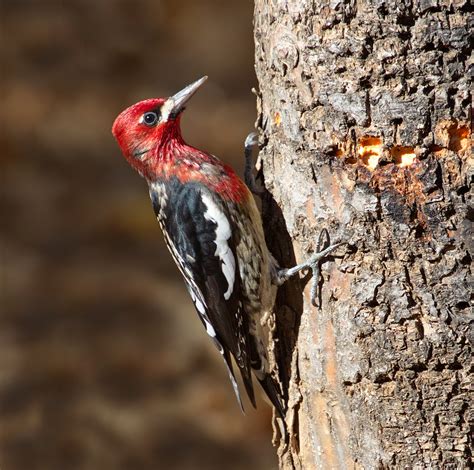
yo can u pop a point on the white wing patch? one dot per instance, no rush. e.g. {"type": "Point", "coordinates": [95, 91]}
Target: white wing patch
{"type": "Point", "coordinates": [223, 233]}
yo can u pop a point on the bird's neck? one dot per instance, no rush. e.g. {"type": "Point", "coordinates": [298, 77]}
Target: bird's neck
{"type": "Point", "coordinates": [173, 157]}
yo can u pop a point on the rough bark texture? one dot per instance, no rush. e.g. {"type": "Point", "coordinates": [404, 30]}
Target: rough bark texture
{"type": "Point", "coordinates": [364, 108]}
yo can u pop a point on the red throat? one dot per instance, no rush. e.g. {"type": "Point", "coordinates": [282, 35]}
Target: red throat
{"type": "Point", "coordinates": [174, 158]}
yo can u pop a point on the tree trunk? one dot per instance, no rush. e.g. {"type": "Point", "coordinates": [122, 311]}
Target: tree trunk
{"type": "Point", "coordinates": [364, 109]}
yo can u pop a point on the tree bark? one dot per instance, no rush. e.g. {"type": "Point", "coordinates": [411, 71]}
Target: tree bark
{"type": "Point", "coordinates": [364, 108]}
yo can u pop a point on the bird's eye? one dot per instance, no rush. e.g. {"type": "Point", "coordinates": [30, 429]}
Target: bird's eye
{"type": "Point", "coordinates": [150, 118]}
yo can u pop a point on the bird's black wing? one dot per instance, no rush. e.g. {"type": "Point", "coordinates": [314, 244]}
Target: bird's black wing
{"type": "Point", "coordinates": [199, 235]}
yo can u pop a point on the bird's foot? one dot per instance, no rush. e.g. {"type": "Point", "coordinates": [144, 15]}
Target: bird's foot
{"type": "Point", "coordinates": [250, 142]}
{"type": "Point", "coordinates": [313, 263]}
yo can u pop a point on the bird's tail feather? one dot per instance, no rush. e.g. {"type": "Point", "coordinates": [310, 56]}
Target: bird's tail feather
{"type": "Point", "coordinates": [247, 380]}
{"type": "Point", "coordinates": [273, 393]}
{"type": "Point", "coordinates": [235, 386]}
{"type": "Point", "coordinates": [269, 386]}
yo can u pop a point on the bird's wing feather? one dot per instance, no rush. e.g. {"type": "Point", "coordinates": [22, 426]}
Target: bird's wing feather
{"type": "Point", "coordinates": [200, 237]}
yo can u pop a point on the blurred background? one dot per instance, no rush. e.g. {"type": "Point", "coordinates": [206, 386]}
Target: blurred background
{"type": "Point", "coordinates": [103, 361]}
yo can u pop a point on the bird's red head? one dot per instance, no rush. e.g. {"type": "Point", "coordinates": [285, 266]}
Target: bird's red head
{"type": "Point", "coordinates": [146, 127]}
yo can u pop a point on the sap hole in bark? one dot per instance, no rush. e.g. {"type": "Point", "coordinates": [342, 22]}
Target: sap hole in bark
{"type": "Point", "coordinates": [370, 151]}
{"type": "Point", "coordinates": [277, 119]}
{"type": "Point", "coordinates": [458, 138]}
{"type": "Point", "coordinates": [335, 151]}
{"type": "Point", "coordinates": [403, 156]}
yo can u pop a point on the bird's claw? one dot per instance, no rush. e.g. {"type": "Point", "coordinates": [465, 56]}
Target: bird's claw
{"type": "Point", "coordinates": [313, 263]}
{"type": "Point", "coordinates": [250, 142]}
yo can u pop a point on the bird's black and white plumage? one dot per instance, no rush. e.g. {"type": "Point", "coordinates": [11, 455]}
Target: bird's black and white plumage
{"type": "Point", "coordinates": [214, 231]}
{"type": "Point", "coordinates": [227, 273]}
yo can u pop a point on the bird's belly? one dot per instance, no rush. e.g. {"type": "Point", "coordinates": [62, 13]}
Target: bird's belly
{"type": "Point", "coordinates": [258, 292]}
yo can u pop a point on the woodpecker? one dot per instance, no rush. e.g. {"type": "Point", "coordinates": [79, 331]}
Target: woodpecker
{"type": "Point", "coordinates": [213, 229]}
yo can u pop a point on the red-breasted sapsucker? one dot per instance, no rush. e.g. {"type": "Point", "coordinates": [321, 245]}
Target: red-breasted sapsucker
{"type": "Point", "coordinates": [214, 232]}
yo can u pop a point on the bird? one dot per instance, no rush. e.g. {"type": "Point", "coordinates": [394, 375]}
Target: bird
{"type": "Point", "coordinates": [213, 230]}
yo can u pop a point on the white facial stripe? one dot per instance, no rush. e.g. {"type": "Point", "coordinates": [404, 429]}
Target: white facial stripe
{"type": "Point", "coordinates": [166, 109]}
{"type": "Point", "coordinates": [223, 233]}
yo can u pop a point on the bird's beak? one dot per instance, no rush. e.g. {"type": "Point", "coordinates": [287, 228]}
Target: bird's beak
{"type": "Point", "coordinates": [176, 103]}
